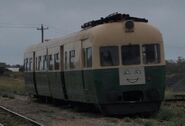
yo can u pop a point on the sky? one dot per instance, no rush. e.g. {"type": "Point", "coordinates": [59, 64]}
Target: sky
{"type": "Point", "coordinates": [19, 20]}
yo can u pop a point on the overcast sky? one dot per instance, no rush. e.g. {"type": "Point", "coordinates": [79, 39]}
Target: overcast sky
{"type": "Point", "coordinates": [19, 19]}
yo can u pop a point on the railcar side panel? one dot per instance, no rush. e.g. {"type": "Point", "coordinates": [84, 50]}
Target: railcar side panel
{"type": "Point", "coordinates": [43, 85]}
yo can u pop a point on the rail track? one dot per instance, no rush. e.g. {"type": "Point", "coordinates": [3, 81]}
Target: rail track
{"type": "Point", "coordinates": [11, 118]}
{"type": "Point", "coordinates": [176, 97]}
{"type": "Point", "coordinates": [177, 100]}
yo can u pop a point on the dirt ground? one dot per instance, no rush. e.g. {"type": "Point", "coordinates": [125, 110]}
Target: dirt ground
{"type": "Point", "coordinates": [51, 115]}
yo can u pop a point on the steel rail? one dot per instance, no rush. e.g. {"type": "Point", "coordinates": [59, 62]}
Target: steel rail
{"type": "Point", "coordinates": [19, 115]}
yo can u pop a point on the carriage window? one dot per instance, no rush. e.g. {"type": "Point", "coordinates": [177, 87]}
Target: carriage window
{"type": "Point", "coordinates": [39, 62]}
{"type": "Point", "coordinates": [45, 62]}
{"type": "Point", "coordinates": [151, 53]}
{"type": "Point", "coordinates": [26, 64]}
{"type": "Point", "coordinates": [36, 64]}
{"type": "Point", "coordinates": [30, 64]}
{"type": "Point", "coordinates": [88, 57]}
{"type": "Point", "coordinates": [109, 56]}
{"type": "Point", "coordinates": [130, 54]}
{"type": "Point", "coordinates": [65, 60]}
{"type": "Point", "coordinates": [50, 61]}
{"type": "Point", "coordinates": [72, 59]}
{"type": "Point", "coordinates": [56, 61]}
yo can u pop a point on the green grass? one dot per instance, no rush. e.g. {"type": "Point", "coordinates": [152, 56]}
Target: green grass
{"type": "Point", "coordinates": [171, 115]}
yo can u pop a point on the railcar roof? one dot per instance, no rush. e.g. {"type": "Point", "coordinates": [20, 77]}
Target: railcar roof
{"type": "Point", "coordinates": [116, 33]}
{"type": "Point", "coordinates": [109, 32]}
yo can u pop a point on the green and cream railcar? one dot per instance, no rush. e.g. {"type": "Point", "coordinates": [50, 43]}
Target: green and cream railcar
{"type": "Point", "coordinates": [119, 68]}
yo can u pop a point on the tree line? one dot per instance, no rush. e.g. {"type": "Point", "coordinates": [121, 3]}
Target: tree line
{"type": "Point", "coordinates": [175, 66]}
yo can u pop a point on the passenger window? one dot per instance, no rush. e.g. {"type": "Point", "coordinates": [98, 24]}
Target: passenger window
{"type": "Point", "coordinates": [30, 64]}
{"type": "Point", "coordinates": [130, 54]}
{"type": "Point", "coordinates": [56, 61]}
{"type": "Point", "coordinates": [39, 62]}
{"type": "Point", "coordinates": [72, 59]}
{"type": "Point", "coordinates": [45, 62]}
{"type": "Point", "coordinates": [26, 64]}
{"type": "Point", "coordinates": [50, 62]}
{"type": "Point", "coordinates": [151, 53]}
{"type": "Point", "coordinates": [109, 56]}
{"type": "Point", "coordinates": [87, 57]}
{"type": "Point", "coordinates": [65, 60]}
{"type": "Point", "coordinates": [36, 64]}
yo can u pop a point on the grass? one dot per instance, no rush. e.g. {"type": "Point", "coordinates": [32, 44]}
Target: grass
{"type": "Point", "coordinates": [12, 83]}
{"type": "Point", "coordinates": [169, 93]}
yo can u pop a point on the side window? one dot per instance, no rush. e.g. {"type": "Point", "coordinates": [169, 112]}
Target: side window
{"type": "Point", "coordinates": [45, 62]}
{"type": "Point", "coordinates": [65, 60]}
{"type": "Point", "coordinates": [39, 62]}
{"type": "Point", "coordinates": [109, 56]}
{"type": "Point", "coordinates": [26, 64]}
{"type": "Point", "coordinates": [36, 65]}
{"type": "Point", "coordinates": [151, 53]}
{"type": "Point", "coordinates": [130, 54]}
{"type": "Point", "coordinates": [87, 57]}
{"type": "Point", "coordinates": [30, 64]}
{"type": "Point", "coordinates": [56, 61]}
{"type": "Point", "coordinates": [72, 59]}
{"type": "Point", "coordinates": [50, 61]}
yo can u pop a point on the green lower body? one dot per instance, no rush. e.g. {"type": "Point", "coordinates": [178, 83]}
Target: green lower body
{"type": "Point", "coordinates": [102, 88]}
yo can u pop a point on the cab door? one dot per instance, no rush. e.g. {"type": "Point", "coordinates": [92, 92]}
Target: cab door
{"type": "Point", "coordinates": [87, 73]}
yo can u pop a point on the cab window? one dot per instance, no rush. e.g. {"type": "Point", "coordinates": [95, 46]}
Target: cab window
{"type": "Point", "coordinates": [109, 56]}
{"type": "Point", "coordinates": [130, 54]}
{"type": "Point", "coordinates": [151, 53]}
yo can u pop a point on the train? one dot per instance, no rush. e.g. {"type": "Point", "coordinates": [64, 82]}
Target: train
{"type": "Point", "coordinates": [115, 63]}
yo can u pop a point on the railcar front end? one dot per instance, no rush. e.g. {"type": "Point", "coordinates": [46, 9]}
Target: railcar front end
{"type": "Point", "coordinates": [130, 76]}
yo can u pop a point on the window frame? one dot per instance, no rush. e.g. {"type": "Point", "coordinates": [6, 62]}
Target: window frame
{"type": "Point", "coordinates": [30, 64]}
{"type": "Point", "coordinates": [87, 62]}
{"type": "Point", "coordinates": [39, 63]}
{"type": "Point", "coordinates": [56, 61]}
{"type": "Point", "coordinates": [115, 62]}
{"type": "Point", "coordinates": [26, 64]}
{"type": "Point", "coordinates": [50, 62]}
{"type": "Point", "coordinates": [124, 62]}
{"type": "Point", "coordinates": [72, 59]}
{"type": "Point", "coordinates": [45, 63]}
{"type": "Point", "coordinates": [157, 54]}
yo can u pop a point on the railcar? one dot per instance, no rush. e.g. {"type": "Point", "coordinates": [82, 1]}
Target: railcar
{"type": "Point", "coordinates": [116, 63]}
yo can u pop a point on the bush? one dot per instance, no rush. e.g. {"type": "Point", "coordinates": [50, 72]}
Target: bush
{"type": "Point", "coordinates": [165, 114]}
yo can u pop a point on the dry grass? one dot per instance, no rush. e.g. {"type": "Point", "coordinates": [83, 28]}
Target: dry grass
{"type": "Point", "coordinates": [12, 83]}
